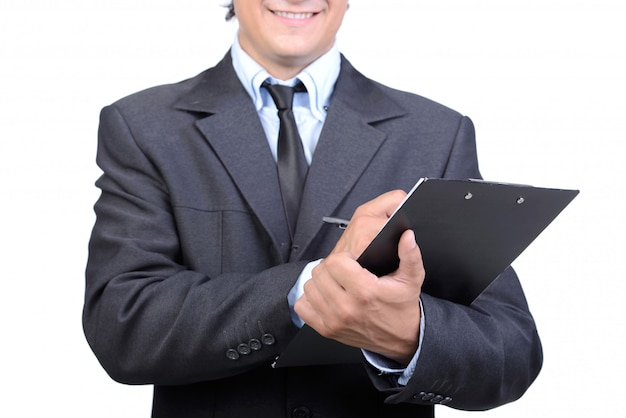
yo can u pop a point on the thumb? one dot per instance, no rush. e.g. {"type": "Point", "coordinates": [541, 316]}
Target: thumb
{"type": "Point", "coordinates": [411, 265]}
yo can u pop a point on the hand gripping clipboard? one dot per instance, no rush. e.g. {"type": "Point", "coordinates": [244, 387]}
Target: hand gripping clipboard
{"type": "Point", "coordinates": [469, 231]}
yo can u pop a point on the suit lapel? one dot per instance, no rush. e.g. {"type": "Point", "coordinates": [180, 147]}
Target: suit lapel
{"type": "Point", "coordinates": [232, 128]}
{"type": "Point", "coordinates": [348, 143]}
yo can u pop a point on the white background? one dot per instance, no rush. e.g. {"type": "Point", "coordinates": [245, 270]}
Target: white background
{"type": "Point", "coordinates": [543, 80]}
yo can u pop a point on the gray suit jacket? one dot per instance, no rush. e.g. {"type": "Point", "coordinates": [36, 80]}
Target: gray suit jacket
{"type": "Point", "coordinates": [189, 266]}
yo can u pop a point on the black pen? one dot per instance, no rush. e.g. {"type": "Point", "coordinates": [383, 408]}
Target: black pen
{"type": "Point", "coordinates": [340, 223]}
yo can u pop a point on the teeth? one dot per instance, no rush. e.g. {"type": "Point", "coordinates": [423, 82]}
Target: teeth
{"type": "Point", "coordinates": [289, 15]}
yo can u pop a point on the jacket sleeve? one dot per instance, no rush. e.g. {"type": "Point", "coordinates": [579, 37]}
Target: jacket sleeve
{"type": "Point", "coordinates": [472, 357]}
{"type": "Point", "coordinates": [147, 316]}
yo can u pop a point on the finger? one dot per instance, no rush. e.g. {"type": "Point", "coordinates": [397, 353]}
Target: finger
{"type": "Point", "coordinates": [367, 221]}
{"type": "Point", "coordinates": [383, 205]}
{"type": "Point", "coordinates": [304, 309]}
{"type": "Point", "coordinates": [350, 277]}
{"type": "Point", "coordinates": [411, 265]}
{"type": "Point", "coordinates": [323, 291]}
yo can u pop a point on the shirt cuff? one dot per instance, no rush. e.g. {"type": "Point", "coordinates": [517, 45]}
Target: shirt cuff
{"type": "Point", "coordinates": [298, 290]}
{"type": "Point", "coordinates": [386, 366]}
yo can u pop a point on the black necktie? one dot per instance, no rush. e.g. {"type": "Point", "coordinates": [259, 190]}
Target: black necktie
{"type": "Point", "coordinates": [292, 165]}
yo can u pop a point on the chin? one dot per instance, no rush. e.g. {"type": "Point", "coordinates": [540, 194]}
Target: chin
{"type": "Point", "coordinates": [296, 53]}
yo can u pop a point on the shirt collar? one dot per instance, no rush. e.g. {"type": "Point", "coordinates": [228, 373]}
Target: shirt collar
{"type": "Point", "coordinates": [319, 78]}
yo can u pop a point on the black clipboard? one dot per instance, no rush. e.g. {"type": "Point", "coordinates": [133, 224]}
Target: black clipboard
{"type": "Point", "coordinates": [469, 231]}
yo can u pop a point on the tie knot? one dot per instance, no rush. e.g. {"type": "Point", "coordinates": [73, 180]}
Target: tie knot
{"type": "Point", "coordinates": [283, 95]}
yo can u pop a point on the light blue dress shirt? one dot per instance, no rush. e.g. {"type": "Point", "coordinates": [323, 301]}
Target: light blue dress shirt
{"type": "Point", "coordinates": [309, 108]}
{"type": "Point", "coordinates": [310, 113]}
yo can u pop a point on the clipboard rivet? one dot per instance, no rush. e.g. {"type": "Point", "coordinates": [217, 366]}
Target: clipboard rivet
{"type": "Point", "coordinates": [468, 196]}
{"type": "Point", "coordinates": [520, 200]}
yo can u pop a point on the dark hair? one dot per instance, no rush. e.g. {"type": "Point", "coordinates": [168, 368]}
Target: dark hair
{"type": "Point", "coordinates": [231, 11]}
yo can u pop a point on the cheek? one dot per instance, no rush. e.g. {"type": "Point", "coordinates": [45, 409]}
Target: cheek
{"type": "Point", "coordinates": [331, 29]}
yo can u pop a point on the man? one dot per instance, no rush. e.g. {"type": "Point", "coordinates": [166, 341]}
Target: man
{"type": "Point", "coordinates": [196, 281]}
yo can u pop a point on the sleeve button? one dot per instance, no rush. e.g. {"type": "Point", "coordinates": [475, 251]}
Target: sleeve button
{"type": "Point", "coordinates": [268, 339]}
{"type": "Point", "coordinates": [232, 354]}
{"type": "Point", "coordinates": [255, 344]}
{"type": "Point", "coordinates": [301, 412]}
{"type": "Point", "coordinates": [243, 349]}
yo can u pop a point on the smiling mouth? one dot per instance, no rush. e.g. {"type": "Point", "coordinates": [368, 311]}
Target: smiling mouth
{"type": "Point", "coordinates": [290, 15]}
